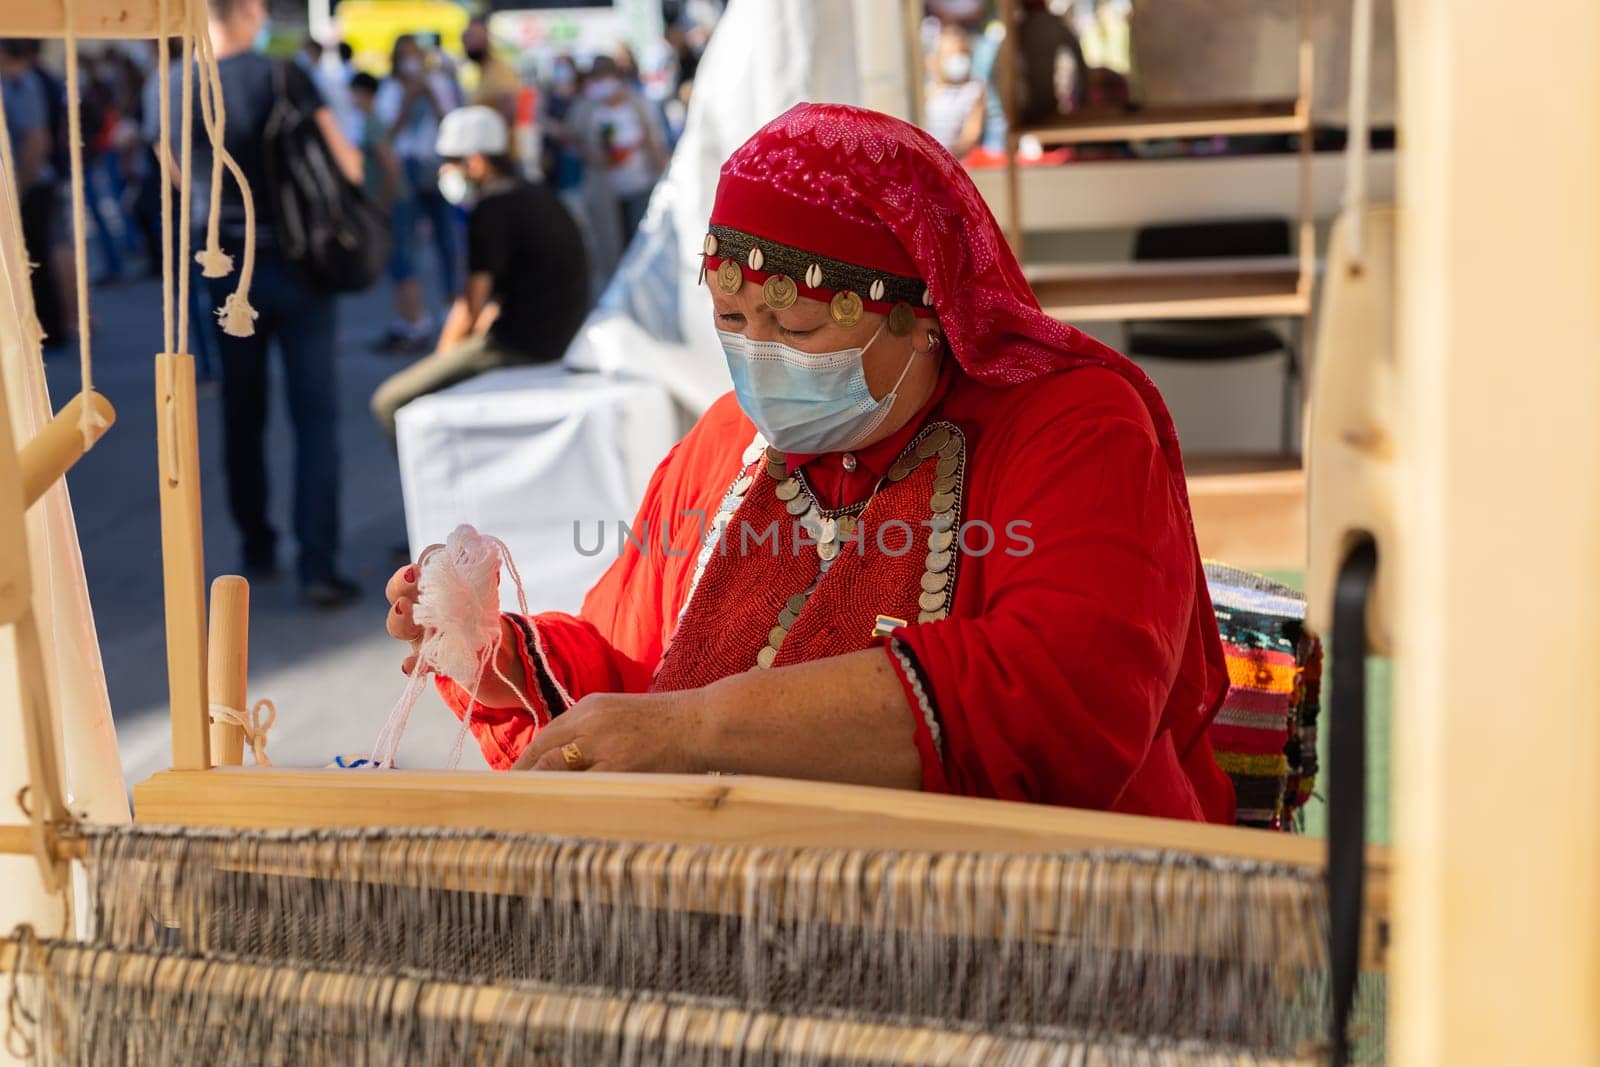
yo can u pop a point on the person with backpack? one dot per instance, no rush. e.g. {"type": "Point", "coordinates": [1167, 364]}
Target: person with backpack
{"type": "Point", "coordinates": [296, 311]}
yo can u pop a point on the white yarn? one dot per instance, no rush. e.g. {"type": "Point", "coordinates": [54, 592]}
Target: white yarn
{"type": "Point", "coordinates": [458, 608]}
{"type": "Point", "coordinates": [255, 725]}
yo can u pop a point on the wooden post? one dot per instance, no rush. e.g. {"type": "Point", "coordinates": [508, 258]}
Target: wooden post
{"type": "Point", "coordinates": [1496, 804]}
{"type": "Point", "coordinates": [228, 664]}
{"type": "Point", "coordinates": [1303, 101]}
{"type": "Point", "coordinates": [1006, 75]}
{"type": "Point", "coordinates": [916, 77]}
{"type": "Point", "coordinates": [182, 560]}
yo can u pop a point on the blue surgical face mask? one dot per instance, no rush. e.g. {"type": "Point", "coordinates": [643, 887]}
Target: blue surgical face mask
{"type": "Point", "coordinates": [804, 401]}
{"type": "Point", "coordinates": [263, 36]}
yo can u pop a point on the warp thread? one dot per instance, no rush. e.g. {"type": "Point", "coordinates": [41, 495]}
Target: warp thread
{"type": "Point", "coordinates": [254, 724]}
{"type": "Point", "coordinates": [458, 609]}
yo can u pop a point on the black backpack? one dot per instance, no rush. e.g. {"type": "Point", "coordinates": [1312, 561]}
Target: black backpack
{"type": "Point", "coordinates": [325, 223]}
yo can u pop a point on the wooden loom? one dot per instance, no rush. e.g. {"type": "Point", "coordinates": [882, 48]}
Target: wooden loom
{"type": "Point", "coordinates": [1465, 991]}
{"type": "Point", "coordinates": [207, 786]}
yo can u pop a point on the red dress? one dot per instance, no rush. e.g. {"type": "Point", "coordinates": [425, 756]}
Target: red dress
{"type": "Point", "coordinates": [1077, 662]}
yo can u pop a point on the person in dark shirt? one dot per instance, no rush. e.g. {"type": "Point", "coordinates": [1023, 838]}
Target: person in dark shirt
{"type": "Point", "coordinates": [293, 312]}
{"type": "Point", "coordinates": [527, 283]}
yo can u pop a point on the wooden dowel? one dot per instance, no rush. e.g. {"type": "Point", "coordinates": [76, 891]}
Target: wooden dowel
{"type": "Point", "coordinates": [18, 841]}
{"type": "Point", "coordinates": [228, 662]}
{"type": "Point", "coordinates": [59, 445]}
{"type": "Point", "coordinates": [182, 560]}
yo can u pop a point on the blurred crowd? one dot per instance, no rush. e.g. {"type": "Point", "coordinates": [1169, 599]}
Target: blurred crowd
{"type": "Point", "coordinates": [1071, 54]}
{"type": "Point", "coordinates": [594, 126]}
{"type": "Point", "coordinates": [492, 191]}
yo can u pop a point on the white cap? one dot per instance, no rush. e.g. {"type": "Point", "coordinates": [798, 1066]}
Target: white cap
{"type": "Point", "coordinates": [472, 131]}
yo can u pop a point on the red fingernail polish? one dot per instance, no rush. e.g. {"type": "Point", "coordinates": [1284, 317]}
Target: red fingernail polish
{"type": "Point", "coordinates": [397, 610]}
{"type": "Point", "coordinates": [411, 574]}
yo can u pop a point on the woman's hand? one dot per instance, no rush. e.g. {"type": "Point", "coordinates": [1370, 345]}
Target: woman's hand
{"type": "Point", "coordinates": [657, 732]}
{"type": "Point", "coordinates": [402, 626]}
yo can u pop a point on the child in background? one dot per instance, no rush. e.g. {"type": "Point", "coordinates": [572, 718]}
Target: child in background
{"type": "Point", "coordinates": [384, 178]}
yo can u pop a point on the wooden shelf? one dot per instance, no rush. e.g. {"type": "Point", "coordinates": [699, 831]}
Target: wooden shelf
{"type": "Point", "coordinates": [1250, 514]}
{"type": "Point", "coordinates": [1173, 289]}
{"type": "Point", "coordinates": [1171, 120]}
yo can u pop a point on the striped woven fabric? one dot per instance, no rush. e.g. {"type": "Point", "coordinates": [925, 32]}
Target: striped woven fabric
{"type": "Point", "coordinates": [1265, 736]}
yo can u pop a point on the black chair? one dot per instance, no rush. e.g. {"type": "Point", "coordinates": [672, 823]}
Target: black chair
{"type": "Point", "coordinates": [1218, 339]}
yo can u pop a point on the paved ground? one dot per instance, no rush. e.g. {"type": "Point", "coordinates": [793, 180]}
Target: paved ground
{"type": "Point", "coordinates": [333, 674]}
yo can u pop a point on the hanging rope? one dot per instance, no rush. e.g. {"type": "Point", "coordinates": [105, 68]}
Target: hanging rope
{"type": "Point", "coordinates": [236, 316]}
{"type": "Point", "coordinates": [185, 169]}
{"type": "Point", "coordinates": [164, 161]}
{"type": "Point", "coordinates": [214, 262]}
{"type": "Point", "coordinates": [1357, 123]}
{"type": "Point", "coordinates": [89, 421]}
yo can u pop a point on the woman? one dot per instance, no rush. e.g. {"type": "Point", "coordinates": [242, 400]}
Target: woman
{"type": "Point", "coordinates": [957, 557]}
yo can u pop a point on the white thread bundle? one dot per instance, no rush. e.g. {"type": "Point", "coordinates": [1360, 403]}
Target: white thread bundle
{"type": "Point", "coordinates": [458, 608]}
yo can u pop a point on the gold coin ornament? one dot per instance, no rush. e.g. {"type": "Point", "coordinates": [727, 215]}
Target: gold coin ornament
{"type": "Point", "coordinates": [901, 319]}
{"type": "Point", "coordinates": [845, 307]}
{"type": "Point", "coordinates": [780, 292]}
{"type": "Point", "coordinates": [730, 279]}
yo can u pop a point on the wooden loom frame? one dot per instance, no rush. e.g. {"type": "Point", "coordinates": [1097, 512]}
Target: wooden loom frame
{"type": "Point", "coordinates": [205, 669]}
{"type": "Point", "coordinates": [1495, 959]}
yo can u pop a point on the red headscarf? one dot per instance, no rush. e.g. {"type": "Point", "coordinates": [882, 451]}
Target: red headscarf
{"type": "Point", "coordinates": [864, 188]}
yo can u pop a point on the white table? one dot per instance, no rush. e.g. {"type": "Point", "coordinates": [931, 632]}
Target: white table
{"type": "Point", "coordinates": [523, 454]}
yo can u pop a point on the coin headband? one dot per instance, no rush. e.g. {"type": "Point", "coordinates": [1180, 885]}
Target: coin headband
{"type": "Point", "coordinates": [758, 259]}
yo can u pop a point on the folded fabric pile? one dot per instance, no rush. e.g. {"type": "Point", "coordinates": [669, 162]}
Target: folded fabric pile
{"type": "Point", "coordinates": [1265, 736]}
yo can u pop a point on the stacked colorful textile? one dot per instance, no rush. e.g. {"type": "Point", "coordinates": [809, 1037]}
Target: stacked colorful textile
{"type": "Point", "coordinates": [1265, 736]}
